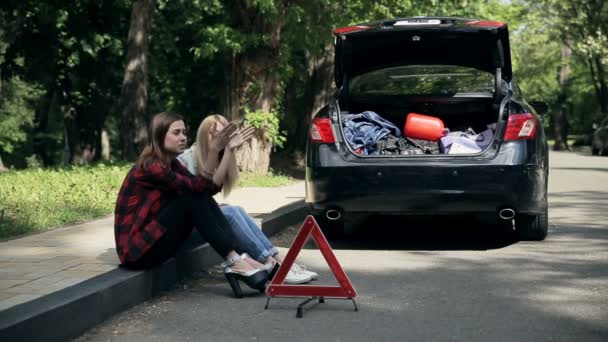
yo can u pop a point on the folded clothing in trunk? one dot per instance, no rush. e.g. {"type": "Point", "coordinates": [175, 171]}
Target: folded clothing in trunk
{"type": "Point", "coordinates": [364, 130]}
{"type": "Point", "coordinates": [466, 142]}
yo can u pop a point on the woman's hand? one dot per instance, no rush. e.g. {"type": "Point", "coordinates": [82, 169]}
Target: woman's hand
{"type": "Point", "coordinates": [219, 139]}
{"type": "Point", "coordinates": [240, 136]}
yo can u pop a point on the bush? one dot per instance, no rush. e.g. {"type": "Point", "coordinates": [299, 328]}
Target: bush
{"type": "Point", "coordinates": [267, 121]}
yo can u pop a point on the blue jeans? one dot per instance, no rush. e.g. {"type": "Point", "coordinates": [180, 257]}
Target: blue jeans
{"type": "Point", "coordinates": [249, 237]}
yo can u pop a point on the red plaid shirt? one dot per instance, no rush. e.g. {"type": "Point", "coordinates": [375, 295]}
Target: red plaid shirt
{"type": "Point", "coordinates": [142, 194]}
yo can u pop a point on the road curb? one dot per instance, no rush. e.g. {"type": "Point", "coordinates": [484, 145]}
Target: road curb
{"type": "Point", "coordinates": [68, 313]}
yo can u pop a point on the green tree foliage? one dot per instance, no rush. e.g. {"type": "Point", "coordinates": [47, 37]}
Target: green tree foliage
{"type": "Point", "coordinates": [66, 60]}
{"type": "Point", "coordinates": [548, 26]}
{"type": "Point", "coordinates": [16, 112]}
{"type": "Point", "coordinates": [585, 30]}
{"type": "Point", "coordinates": [72, 51]}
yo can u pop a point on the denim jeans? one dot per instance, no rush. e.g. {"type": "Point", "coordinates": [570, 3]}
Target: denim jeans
{"type": "Point", "coordinates": [249, 237]}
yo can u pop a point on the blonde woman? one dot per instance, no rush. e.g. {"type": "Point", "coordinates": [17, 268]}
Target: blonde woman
{"type": "Point", "coordinates": [220, 165]}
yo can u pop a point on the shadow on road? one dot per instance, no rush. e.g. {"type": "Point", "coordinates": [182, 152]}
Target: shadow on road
{"type": "Point", "coordinates": [581, 213]}
{"type": "Point", "coordinates": [423, 233]}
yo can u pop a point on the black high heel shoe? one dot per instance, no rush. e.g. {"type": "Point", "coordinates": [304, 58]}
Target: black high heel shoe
{"type": "Point", "coordinates": [255, 279]}
{"type": "Point", "coordinates": [272, 271]}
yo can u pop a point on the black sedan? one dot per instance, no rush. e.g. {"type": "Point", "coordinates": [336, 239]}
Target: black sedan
{"type": "Point", "coordinates": [427, 120]}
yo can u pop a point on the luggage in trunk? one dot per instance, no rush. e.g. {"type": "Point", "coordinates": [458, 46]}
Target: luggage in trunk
{"type": "Point", "coordinates": [380, 130]}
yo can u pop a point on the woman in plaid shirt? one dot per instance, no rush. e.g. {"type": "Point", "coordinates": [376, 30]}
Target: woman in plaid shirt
{"type": "Point", "coordinates": [160, 202]}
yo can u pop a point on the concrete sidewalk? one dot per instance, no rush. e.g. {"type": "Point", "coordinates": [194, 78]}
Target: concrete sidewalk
{"type": "Point", "coordinates": [39, 265]}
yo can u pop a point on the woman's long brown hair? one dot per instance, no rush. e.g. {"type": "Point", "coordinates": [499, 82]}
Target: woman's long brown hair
{"type": "Point", "coordinates": [154, 151]}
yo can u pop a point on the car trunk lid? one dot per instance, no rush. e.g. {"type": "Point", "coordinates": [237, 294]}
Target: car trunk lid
{"type": "Point", "coordinates": [471, 43]}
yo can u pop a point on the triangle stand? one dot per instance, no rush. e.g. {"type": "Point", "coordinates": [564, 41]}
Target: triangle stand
{"type": "Point", "coordinates": [276, 288]}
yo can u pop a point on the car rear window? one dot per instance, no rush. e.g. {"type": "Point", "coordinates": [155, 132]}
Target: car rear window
{"type": "Point", "coordinates": [422, 80]}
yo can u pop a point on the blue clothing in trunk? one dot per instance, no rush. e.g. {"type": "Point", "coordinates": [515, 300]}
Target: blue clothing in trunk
{"type": "Point", "coordinates": [364, 130]}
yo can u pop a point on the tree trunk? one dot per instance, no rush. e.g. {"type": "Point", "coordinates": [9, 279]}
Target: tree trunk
{"type": "Point", "coordinates": [251, 80]}
{"type": "Point", "coordinates": [560, 117]}
{"type": "Point", "coordinates": [230, 100]}
{"type": "Point", "coordinates": [134, 94]}
{"type": "Point", "coordinates": [105, 145]}
{"type": "Point", "coordinates": [299, 109]}
{"type": "Point", "coordinates": [252, 86]}
{"type": "Point", "coordinates": [2, 167]}
{"type": "Point", "coordinates": [316, 94]}
{"type": "Point", "coordinates": [82, 139]}
{"type": "Point", "coordinates": [603, 87]}
{"type": "Point", "coordinates": [254, 155]}
{"type": "Point", "coordinates": [48, 119]}
{"type": "Point", "coordinates": [70, 136]}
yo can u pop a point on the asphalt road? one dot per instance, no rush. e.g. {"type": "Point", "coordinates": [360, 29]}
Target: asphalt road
{"type": "Point", "coordinates": [421, 280]}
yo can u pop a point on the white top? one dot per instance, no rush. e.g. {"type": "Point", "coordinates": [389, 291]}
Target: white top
{"type": "Point", "coordinates": [187, 159]}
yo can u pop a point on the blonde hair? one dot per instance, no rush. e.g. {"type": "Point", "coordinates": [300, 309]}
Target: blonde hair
{"type": "Point", "coordinates": [202, 152]}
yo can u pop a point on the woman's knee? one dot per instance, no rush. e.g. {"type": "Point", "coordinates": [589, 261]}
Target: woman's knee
{"type": "Point", "coordinates": [198, 199]}
{"type": "Point", "coordinates": [241, 211]}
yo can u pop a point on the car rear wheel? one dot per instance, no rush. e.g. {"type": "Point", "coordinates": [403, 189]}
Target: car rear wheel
{"type": "Point", "coordinates": [595, 151]}
{"type": "Point", "coordinates": [532, 227]}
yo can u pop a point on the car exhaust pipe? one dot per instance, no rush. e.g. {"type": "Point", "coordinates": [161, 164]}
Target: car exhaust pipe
{"type": "Point", "coordinates": [333, 214]}
{"type": "Point", "coordinates": [506, 214]}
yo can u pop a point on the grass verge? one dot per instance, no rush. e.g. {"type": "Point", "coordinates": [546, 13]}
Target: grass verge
{"type": "Point", "coordinates": [39, 199]}
{"type": "Point", "coordinates": [270, 180]}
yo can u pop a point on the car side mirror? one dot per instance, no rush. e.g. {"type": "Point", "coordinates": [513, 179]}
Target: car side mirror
{"type": "Point", "coordinates": [595, 126]}
{"type": "Point", "coordinates": [541, 107]}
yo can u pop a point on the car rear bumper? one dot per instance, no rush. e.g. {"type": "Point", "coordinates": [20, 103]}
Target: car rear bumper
{"type": "Point", "coordinates": [442, 188]}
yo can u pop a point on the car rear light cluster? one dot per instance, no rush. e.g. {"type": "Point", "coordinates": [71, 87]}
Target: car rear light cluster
{"type": "Point", "coordinates": [321, 131]}
{"type": "Point", "coordinates": [521, 127]}
{"type": "Point", "coordinates": [348, 29]}
{"type": "Point", "coordinates": [484, 23]}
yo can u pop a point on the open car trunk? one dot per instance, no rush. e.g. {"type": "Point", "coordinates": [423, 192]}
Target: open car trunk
{"type": "Point", "coordinates": [454, 70]}
{"type": "Point", "coordinates": [470, 127]}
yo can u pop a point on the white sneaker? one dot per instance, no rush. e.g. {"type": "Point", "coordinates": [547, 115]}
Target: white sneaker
{"type": "Point", "coordinates": [294, 277]}
{"type": "Point", "coordinates": [302, 270]}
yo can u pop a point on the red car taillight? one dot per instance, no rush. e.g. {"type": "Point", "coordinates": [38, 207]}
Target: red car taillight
{"type": "Point", "coordinates": [321, 131]}
{"type": "Point", "coordinates": [521, 127]}
{"type": "Point", "coordinates": [349, 29]}
{"type": "Point", "coordinates": [484, 23]}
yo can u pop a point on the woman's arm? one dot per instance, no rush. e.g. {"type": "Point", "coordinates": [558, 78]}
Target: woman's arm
{"type": "Point", "coordinates": [219, 142]}
{"type": "Point", "coordinates": [222, 170]}
{"type": "Point", "coordinates": [236, 140]}
{"type": "Point", "coordinates": [210, 164]}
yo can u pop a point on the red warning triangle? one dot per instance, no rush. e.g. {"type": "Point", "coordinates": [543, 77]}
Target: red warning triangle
{"type": "Point", "coordinates": [276, 288]}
